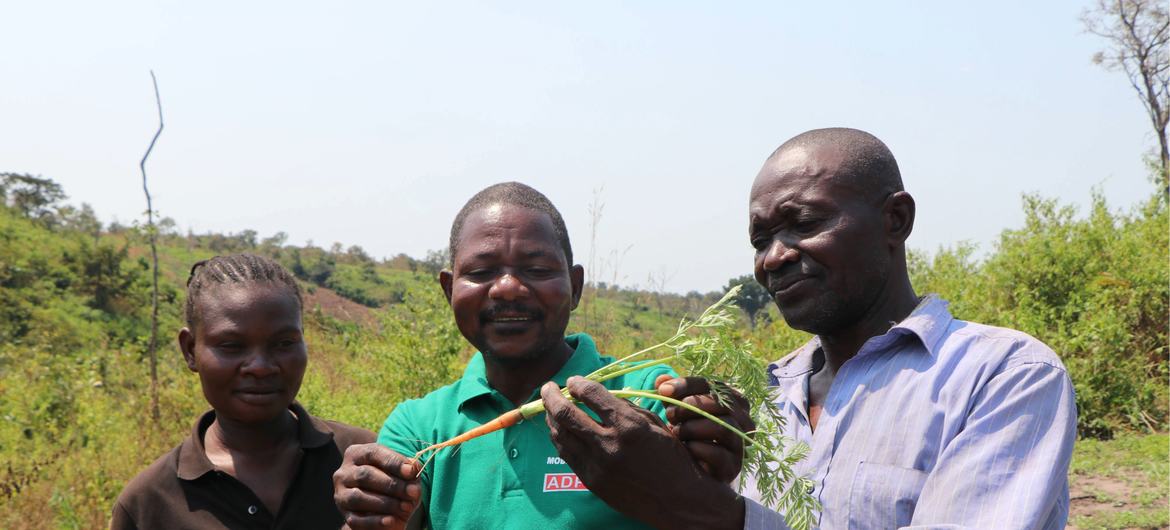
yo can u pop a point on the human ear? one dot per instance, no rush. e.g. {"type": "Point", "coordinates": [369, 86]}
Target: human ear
{"type": "Point", "coordinates": [187, 345]}
{"type": "Point", "coordinates": [898, 212]}
{"type": "Point", "coordinates": [577, 279]}
{"type": "Point", "coordinates": [446, 277]}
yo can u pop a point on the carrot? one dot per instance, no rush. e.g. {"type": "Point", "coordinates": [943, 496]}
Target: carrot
{"type": "Point", "coordinates": [503, 421]}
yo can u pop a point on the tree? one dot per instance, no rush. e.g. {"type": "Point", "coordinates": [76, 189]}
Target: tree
{"type": "Point", "coordinates": [752, 298]}
{"type": "Point", "coordinates": [436, 260]}
{"type": "Point", "coordinates": [1137, 32]}
{"type": "Point", "coordinates": [33, 197]}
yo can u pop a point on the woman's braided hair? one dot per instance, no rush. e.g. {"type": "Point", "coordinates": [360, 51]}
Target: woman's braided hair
{"type": "Point", "coordinates": [235, 269]}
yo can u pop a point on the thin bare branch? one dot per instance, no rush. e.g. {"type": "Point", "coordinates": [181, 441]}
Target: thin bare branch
{"type": "Point", "coordinates": [152, 236]}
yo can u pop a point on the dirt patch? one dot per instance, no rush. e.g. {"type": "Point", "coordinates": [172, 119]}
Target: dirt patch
{"type": "Point", "coordinates": [336, 306]}
{"type": "Point", "coordinates": [1095, 495]}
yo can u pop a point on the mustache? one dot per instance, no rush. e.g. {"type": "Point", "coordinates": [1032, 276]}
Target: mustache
{"type": "Point", "coordinates": [511, 310]}
{"type": "Point", "coordinates": [786, 276]}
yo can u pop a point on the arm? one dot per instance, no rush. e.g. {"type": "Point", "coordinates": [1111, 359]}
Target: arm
{"type": "Point", "coordinates": [633, 463]}
{"type": "Point", "coordinates": [1008, 468]}
{"type": "Point", "coordinates": [121, 519]}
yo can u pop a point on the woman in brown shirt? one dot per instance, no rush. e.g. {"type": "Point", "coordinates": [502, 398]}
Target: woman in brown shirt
{"type": "Point", "coordinates": [257, 459]}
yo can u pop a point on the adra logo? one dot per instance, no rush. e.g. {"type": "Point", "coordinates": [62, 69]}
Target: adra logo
{"type": "Point", "coordinates": [563, 482]}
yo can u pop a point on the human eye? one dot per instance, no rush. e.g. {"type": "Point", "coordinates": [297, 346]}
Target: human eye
{"type": "Point", "coordinates": [479, 273]}
{"type": "Point", "coordinates": [540, 271]}
{"type": "Point", "coordinates": [760, 242]}
{"type": "Point", "coordinates": [287, 343]}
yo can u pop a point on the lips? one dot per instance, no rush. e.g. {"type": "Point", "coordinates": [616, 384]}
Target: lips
{"type": "Point", "coordinates": [258, 395]}
{"type": "Point", "coordinates": [514, 314]}
{"type": "Point", "coordinates": [785, 283]}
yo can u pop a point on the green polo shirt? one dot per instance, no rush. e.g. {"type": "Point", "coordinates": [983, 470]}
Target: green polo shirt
{"type": "Point", "coordinates": [511, 478]}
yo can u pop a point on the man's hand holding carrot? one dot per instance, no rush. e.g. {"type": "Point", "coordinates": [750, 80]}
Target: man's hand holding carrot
{"type": "Point", "coordinates": [668, 477]}
{"type": "Point", "coordinates": [376, 488]}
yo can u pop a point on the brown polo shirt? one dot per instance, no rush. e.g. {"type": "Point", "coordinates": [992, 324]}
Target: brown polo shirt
{"type": "Point", "coordinates": [183, 489]}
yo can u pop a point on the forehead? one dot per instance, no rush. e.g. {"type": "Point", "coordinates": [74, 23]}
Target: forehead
{"type": "Point", "coordinates": [250, 304]}
{"type": "Point", "coordinates": [507, 224]}
{"type": "Point", "coordinates": [802, 174]}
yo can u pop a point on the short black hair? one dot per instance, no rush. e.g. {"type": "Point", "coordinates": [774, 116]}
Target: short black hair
{"type": "Point", "coordinates": [867, 160]}
{"type": "Point", "coordinates": [516, 194]}
{"type": "Point", "coordinates": [236, 269]}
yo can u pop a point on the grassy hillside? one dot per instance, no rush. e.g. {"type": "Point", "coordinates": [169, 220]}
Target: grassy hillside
{"type": "Point", "coordinates": [74, 309]}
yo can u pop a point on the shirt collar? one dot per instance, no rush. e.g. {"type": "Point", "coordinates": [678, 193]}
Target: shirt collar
{"type": "Point", "coordinates": [928, 321]}
{"type": "Point", "coordinates": [193, 462]}
{"type": "Point", "coordinates": [795, 364]}
{"type": "Point", "coordinates": [584, 360]}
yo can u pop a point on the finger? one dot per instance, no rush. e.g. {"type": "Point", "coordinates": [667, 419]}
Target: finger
{"type": "Point", "coordinates": [720, 463]}
{"type": "Point", "coordinates": [662, 379]}
{"type": "Point", "coordinates": [709, 431]}
{"type": "Point", "coordinates": [384, 458]}
{"type": "Point", "coordinates": [353, 500]}
{"type": "Point", "coordinates": [370, 522]}
{"type": "Point", "coordinates": [681, 387]}
{"type": "Point", "coordinates": [563, 416]}
{"type": "Point", "coordinates": [374, 480]}
{"type": "Point", "coordinates": [704, 402]}
{"type": "Point", "coordinates": [595, 396]}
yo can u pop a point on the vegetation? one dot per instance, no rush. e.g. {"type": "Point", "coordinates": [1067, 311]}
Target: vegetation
{"type": "Point", "coordinates": [1121, 483]}
{"type": "Point", "coordinates": [75, 323]}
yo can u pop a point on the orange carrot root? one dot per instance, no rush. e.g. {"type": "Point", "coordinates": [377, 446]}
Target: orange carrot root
{"type": "Point", "coordinates": [503, 421]}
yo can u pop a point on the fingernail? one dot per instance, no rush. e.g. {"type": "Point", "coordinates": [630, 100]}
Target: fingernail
{"type": "Point", "coordinates": [406, 506]}
{"type": "Point", "coordinates": [408, 471]}
{"type": "Point", "coordinates": [413, 491]}
{"type": "Point", "coordinates": [666, 389]}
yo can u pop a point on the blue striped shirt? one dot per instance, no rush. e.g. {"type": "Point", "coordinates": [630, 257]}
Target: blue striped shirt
{"type": "Point", "coordinates": [939, 423]}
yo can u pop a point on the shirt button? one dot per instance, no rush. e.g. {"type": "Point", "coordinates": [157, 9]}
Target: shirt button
{"type": "Point", "coordinates": [514, 453]}
{"type": "Point", "coordinates": [252, 510]}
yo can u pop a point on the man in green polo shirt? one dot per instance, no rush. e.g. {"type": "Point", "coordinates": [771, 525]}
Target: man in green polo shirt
{"type": "Point", "coordinates": [511, 287]}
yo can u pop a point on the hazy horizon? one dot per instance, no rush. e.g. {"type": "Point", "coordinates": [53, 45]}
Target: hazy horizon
{"type": "Point", "coordinates": [370, 124]}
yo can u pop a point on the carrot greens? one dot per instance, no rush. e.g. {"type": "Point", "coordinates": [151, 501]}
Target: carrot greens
{"type": "Point", "coordinates": [705, 347]}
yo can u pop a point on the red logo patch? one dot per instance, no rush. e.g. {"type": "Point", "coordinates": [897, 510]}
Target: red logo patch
{"type": "Point", "coordinates": [563, 482]}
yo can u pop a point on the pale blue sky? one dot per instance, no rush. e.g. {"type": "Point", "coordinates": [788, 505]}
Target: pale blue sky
{"type": "Point", "coordinates": [371, 123]}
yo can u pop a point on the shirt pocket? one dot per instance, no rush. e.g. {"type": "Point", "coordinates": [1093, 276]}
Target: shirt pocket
{"type": "Point", "coordinates": [883, 496]}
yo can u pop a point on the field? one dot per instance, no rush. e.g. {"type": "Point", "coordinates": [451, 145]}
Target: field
{"type": "Point", "coordinates": [74, 325]}
{"type": "Point", "coordinates": [1120, 483]}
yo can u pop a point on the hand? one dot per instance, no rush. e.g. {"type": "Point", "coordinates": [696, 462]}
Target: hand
{"type": "Point", "coordinates": [718, 450]}
{"type": "Point", "coordinates": [634, 463]}
{"type": "Point", "coordinates": [376, 488]}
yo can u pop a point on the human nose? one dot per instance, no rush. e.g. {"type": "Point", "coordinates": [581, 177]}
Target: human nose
{"type": "Point", "coordinates": [778, 253]}
{"type": "Point", "coordinates": [508, 287]}
{"type": "Point", "coordinates": [260, 364]}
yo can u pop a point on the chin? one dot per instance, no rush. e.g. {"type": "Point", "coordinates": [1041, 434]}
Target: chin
{"type": "Point", "coordinates": [818, 315]}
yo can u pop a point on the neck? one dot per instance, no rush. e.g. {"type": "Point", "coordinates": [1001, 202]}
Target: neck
{"type": "Point", "coordinates": [517, 381]}
{"type": "Point", "coordinates": [891, 306]}
{"type": "Point", "coordinates": [237, 437]}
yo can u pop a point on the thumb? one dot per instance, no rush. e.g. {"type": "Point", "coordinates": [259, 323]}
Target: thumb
{"type": "Point", "coordinates": [595, 396]}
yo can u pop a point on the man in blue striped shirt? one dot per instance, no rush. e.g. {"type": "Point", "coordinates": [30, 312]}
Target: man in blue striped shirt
{"type": "Point", "coordinates": [915, 419]}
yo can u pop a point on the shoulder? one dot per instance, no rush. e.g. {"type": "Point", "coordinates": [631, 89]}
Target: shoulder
{"type": "Point", "coordinates": [1005, 348]}
{"type": "Point", "coordinates": [159, 479]}
{"type": "Point", "coordinates": [436, 399]}
{"type": "Point", "coordinates": [345, 435]}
